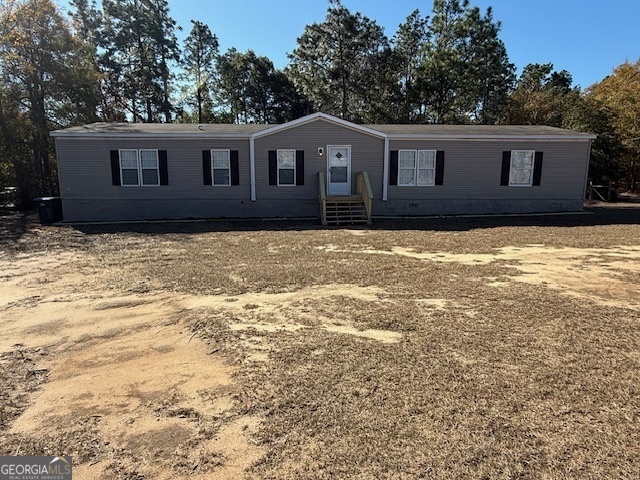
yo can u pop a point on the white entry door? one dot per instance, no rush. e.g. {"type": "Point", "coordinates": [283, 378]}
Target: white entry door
{"type": "Point", "coordinates": [339, 170]}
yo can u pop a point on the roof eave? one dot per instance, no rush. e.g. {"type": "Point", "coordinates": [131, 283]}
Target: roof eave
{"type": "Point", "coordinates": [319, 116]}
{"type": "Point", "coordinates": [434, 136]}
{"type": "Point", "coordinates": [139, 135]}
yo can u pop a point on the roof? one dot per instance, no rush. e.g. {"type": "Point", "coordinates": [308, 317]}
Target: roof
{"type": "Point", "coordinates": [473, 130]}
{"type": "Point", "coordinates": [192, 130]}
{"type": "Point", "coordinates": [102, 128]}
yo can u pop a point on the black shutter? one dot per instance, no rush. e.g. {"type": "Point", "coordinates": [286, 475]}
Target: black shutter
{"type": "Point", "coordinates": [235, 167]}
{"type": "Point", "coordinates": [506, 168]}
{"type": "Point", "coordinates": [164, 169]}
{"type": "Point", "coordinates": [537, 169]}
{"type": "Point", "coordinates": [439, 167]}
{"type": "Point", "coordinates": [393, 167]}
{"type": "Point", "coordinates": [115, 167]}
{"type": "Point", "coordinates": [206, 167]}
{"type": "Point", "coordinates": [299, 167]}
{"type": "Point", "coordinates": [273, 167]}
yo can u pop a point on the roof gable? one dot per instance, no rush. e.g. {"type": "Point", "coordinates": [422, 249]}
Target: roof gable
{"type": "Point", "coordinates": [319, 116]}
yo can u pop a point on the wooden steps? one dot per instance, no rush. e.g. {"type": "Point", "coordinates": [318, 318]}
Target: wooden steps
{"type": "Point", "coordinates": [346, 209]}
{"type": "Point", "coordinates": [342, 210]}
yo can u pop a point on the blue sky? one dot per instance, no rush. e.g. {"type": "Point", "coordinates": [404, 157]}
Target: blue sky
{"type": "Point", "coordinates": [585, 37]}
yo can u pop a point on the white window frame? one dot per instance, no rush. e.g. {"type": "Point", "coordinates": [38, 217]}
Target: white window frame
{"type": "Point", "coordinates": [415, 162]}
{"type": "Point", "coordinates": [533, 166]}
{"type": "Point", "coordinates": [213, 177]}
{"type": "Point", "coordinates": [433, 182]}
{"type": "Point", "coordinates": [139, 167]}
{"type": "Point", "coordinates": [288, 168]}
{"type": "Point", "coordinates": [416, 169]}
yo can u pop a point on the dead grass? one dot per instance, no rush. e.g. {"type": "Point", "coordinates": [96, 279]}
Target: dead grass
{"type": "Point", "coordinates": [518, 380]}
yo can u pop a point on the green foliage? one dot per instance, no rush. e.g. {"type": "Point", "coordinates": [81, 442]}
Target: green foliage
{"type": "Point", "coordinates": [408, 47]}
{"type": "Point", "coordinates": [340, 65]}
{"type": "Point", "coordinates": [198, 61]}
{"type": "Point", "coordinates": [466, 75]}
{"type": "Point", "coordinates": [251, 90]}
{"type": "Point", "coordinates": [140, 46]}
{"type": "Point", "coordinates": [619, 95]}
{"type": "Point", "coordinates": [45, 83]}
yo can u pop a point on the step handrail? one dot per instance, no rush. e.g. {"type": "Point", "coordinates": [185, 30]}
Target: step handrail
{"type": "Point", "coordinates": [364, 188]}
{"type": "Point", "coordinates": [322, 197]}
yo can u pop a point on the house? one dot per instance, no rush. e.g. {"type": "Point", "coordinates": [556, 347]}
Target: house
{"type": "Point", "coordinates": [316, 166]}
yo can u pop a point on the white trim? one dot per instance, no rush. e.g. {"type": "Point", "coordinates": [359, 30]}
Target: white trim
{"type": "Point", "coordinates": [533, 167]}
{"type": "Point", "coordinates": [120, 150]}
{"type": "Point", "coordinates": [393, 136]}
{"type": "Point", "coordinates": [139, 166]}
{"type": "Point", "coordinates": [435, 168]}
{"type": "Point", "coordinates": [385, 174]}
{"type": "Point", "coordinates": [213, 177]}
{"type": "Point", "coordinates": [142, 136]}
{"type": "Point", "coordinates": [416, 168]}
{"type": "Point", "coordinates": [278, 167]}
{"type": "Point", "coordinates": [318, 116]}
{"type": "Point", "coordinates": [252, 166]}
{"type": "Point", "coordinates": [415, 163]}
{"type": "Point", "coordinates": [348, 147]}
{"type": "Point", "coordinates": [466, 137]}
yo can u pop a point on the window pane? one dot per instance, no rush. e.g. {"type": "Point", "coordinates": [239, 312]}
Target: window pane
{"type": "Point", "coordinates": [286, 158]}
{"type": "Point", "coordinates": [221, 177]}
{"type": "Point", "coordinates": [150, 176]}
{"type": "Point", "coordinates": [220, 158]}
{"type": "Point", "coordinates": [426, 159]}
{"type": "Point", "coordinates": [521, 159]}
{"type": "Point", "coordinates": [286, 176]}
{"type": "Point", "coordinates": [129, 176]}
{"type": "Point", "coordinates": [426, 176]}
{"type": "Point", "coordinates": [406, 177]}
{"type": "Point", "coordinates": [129, 158]}
{"type": "Point", "coordinates": [521, 167]}
{"type": "Point", "coordinates": [520, 177]}
{"type": "Point", "coordinates": [338, 174]}
{"type": "Point", "coordinates": [338, 162]}
{"type": "Point", "coordinates": [149, 158]}
{"type": "Point", "coordinates": [407, 159]}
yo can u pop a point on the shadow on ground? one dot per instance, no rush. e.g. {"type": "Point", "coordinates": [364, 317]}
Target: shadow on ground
{"type": "Point", "coordinates": [14, 225]}
{"type": "Point", "coordinates": [625, 214]}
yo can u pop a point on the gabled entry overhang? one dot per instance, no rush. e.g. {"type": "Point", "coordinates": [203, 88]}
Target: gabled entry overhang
{"type": "Point", "coordinates": [314, 117]}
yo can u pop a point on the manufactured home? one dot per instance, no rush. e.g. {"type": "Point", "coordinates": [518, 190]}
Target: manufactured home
{"type": "Point", "coordinates": [316, 166]}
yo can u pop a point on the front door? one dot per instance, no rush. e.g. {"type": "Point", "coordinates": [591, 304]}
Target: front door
{"type": "Point", "coordinates": [339, 170]}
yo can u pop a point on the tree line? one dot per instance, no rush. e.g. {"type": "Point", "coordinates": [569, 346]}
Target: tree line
{"type": "Point", "coordinates": [120, 60]}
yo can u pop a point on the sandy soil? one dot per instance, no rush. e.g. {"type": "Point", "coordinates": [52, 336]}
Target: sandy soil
{"type": "Point", "coordinates": [151, 382]}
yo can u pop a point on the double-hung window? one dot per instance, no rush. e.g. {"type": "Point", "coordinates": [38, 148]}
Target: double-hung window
{"type": "Point", "coordinates": [521, 170]}
{"type": "Point", "coordinates": [286, 161]}
{"type": "Point", "coordinates": [426, 168]}
{"type": "Point", "coordinates": [139, 167]}
{"type": "Point", "coordinates": [221, 164]}
{"type": "Point", "coordinates": [406, 168]}
{"type": "Point", "coordinates": [416, 167]}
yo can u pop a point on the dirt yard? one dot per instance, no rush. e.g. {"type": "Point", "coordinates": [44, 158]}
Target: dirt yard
{"type": "Point", "coordinates": [475, 348]}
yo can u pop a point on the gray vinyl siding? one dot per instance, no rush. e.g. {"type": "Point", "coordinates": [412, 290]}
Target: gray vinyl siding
{"type": "Point", "coordinates": [472, 171]}
{"type": "Point", "coordinates": [367, 154]}
{"type": "Point", "coordinates": [84, 170]}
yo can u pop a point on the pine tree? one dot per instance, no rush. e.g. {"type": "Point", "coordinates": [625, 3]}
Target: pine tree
{"type": "Point", "coordinates": [140, 47]}
{"type": "Point", "coordinates": [339, 64]}
{"type": "Point", "coordinates": [200, 52]}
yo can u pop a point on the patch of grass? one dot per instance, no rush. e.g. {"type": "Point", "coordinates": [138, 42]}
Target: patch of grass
{"type": "Point", "coordinates": [516, 381]}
